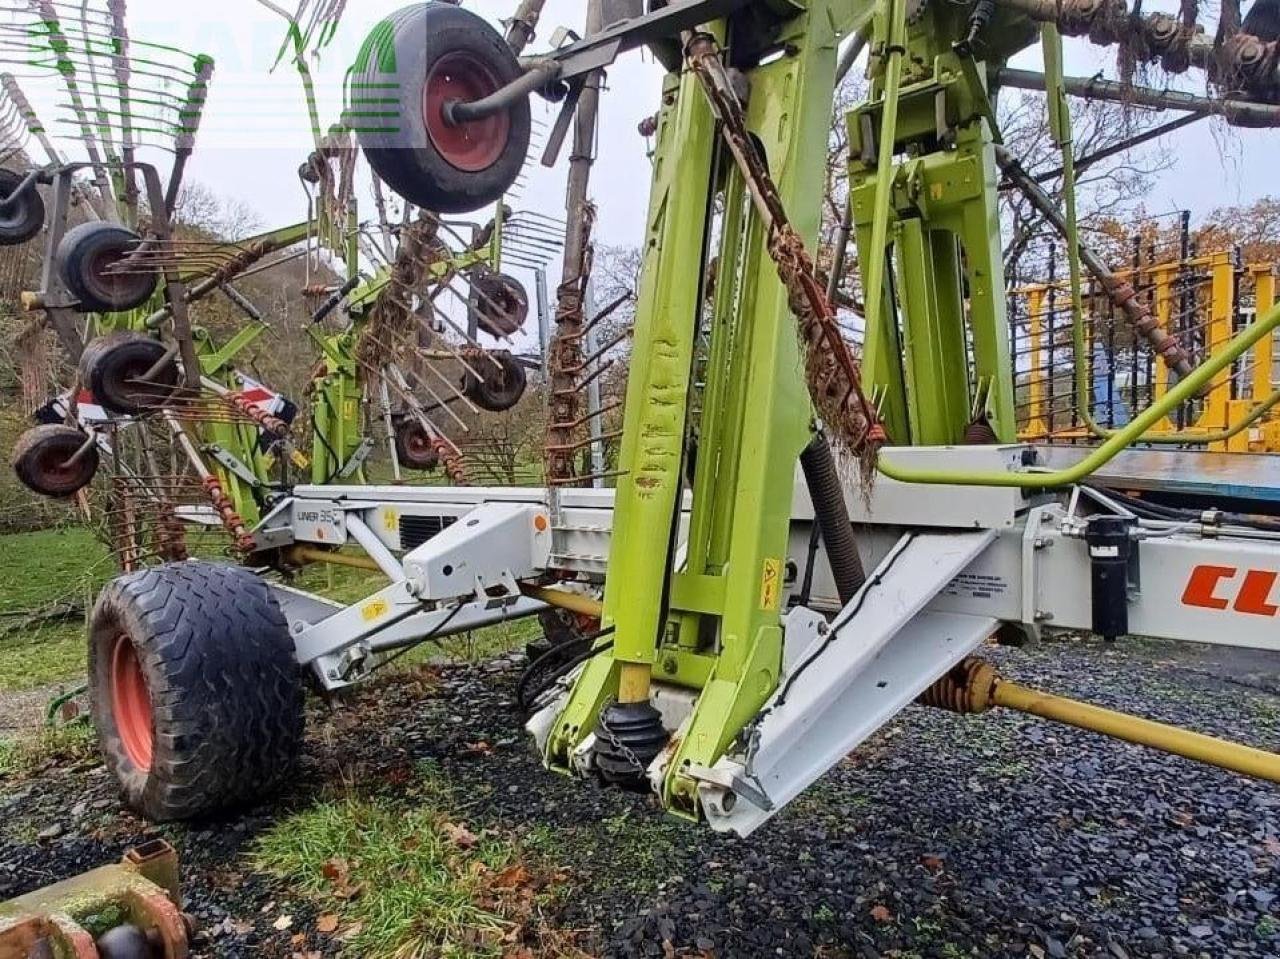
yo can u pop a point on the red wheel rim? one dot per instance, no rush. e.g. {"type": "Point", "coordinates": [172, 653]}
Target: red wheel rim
{"type": "Point", "coordinates": [54, 470]}
{"type": "Point", "coordinates": [418, 443]}
{"type": "Point", "coordinates": [113, 283]}
{"type": "Point", "coordinates": [131, 704]}
{"type": "Point", "coordinates": [475, 145]}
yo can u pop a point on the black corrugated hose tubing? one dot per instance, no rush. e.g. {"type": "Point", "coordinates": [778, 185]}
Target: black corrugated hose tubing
{"type": "Point", "coordinates": [827, 493]}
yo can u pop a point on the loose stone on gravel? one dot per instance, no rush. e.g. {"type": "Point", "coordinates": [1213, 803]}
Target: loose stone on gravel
{"type": "Point", "coordinates": [945, 836]}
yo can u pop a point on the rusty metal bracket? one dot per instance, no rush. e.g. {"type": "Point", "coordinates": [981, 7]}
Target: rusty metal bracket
{"type": "Point", "coordinates": [131, 904]}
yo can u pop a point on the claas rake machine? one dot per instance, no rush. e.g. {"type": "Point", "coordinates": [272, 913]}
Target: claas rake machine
{"type": "Point", "coordinates": [169, 410]}
{"type": "Point", "coordinates": [804, 539]}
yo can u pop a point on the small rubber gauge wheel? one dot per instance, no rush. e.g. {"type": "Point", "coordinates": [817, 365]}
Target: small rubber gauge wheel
{"type": "Point", "coordinates": [498, 383]}
{"type": "Point", "coordinates": [89, 261]}
{"type": "Point", "coordinates": [53, 460]}
{"type": "Point", "coordinates": [22, 219]}
{"type": "Point", "coordinates": [129, 373]}
{"type": "Point", "coordinates": [414, 448]}
{"type": "Point", "coordinates": [502, 305]}
{"type": "Point", "coordinates": [411, 66]}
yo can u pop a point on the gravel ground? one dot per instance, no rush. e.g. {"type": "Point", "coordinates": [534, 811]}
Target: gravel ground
{"type": "Point", "coordinates": [24, 709]}
{"type": "Point", "coordinates": [946, 836]}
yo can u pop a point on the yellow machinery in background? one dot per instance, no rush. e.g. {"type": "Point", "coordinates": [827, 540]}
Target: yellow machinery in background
{"type": "Point", "coordinates": [1205, 298]}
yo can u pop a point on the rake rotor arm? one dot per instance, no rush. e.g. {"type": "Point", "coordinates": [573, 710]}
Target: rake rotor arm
{"type": "Point", "coordinates": [190, 116]}
{"type": "Point", "coordinates": [1230, 60]}
{"type": "Point", "coordinates": [576, 61]}
{"type": "Point", "coordinates": [1236, 111]}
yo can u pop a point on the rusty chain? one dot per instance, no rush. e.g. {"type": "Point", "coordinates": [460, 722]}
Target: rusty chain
{"type": "Point", "coordinates": [564, 364]}
{"type": "Point", "coordinates": [830, 367]}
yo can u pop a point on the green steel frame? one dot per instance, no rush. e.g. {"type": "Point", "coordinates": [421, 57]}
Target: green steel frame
{"type": "Point", "coordinates": [716, 625]}
{"type": "Point", "coordinates": [935, 211]}
{"type": "Point", "coordinates": [923, 189]}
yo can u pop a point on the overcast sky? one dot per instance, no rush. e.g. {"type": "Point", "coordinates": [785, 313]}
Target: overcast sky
{"type": "Point", "coordinates": [255, 133]}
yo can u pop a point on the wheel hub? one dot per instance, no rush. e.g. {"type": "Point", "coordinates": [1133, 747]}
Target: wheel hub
{"type": "Point", "coordinates": [56, 466]}
{"type": "Point", "coordinates": [108, 272]}
{"type": "Point", "coordinates": [471, 146]}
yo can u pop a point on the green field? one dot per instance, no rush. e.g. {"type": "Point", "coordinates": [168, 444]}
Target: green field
{"type": "Point", "coordinates": [48, 580]}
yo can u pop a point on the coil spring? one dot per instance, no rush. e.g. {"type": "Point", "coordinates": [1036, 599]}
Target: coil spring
{"type": "Point", "coordinates": [226, 510]}
{"type": "Point", "coordinates": [272, 424]}
{"type": "Point", "coordinates": [454, 467]}
{"type": "Point", "coordinates": [980, 433]}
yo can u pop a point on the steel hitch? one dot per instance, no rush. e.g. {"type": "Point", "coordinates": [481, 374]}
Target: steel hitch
{"type": "Point", "coordinates": [129, 910]}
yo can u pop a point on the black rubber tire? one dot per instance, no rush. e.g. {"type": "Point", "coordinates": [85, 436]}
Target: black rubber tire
{"type": "Point", "coordinates": [25, 221]}
{"type": "Point", "coordinates": [85, 254]}
{"type": "Point", "coordinates": [497, 388]}
{"type": "Point", "coordinates": [112, 367]}
{"type": "Point", "coordinates": [502, 304]}
{"type": "Point", "coordinates": [40, 453]}
{"type": "Point", "coordinates": [413, 447]}
{"type": "Point", "coordinates": [387, 90]}
{"type": "Point", "coordinates": [226, 695]}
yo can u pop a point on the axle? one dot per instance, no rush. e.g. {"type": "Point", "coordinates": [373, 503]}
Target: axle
{"type": "Point", "coordinates": [974, 687]}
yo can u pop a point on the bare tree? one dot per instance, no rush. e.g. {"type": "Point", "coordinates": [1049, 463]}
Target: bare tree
{"type": "Point", "coordinates": [199, 208]}
{"type": "Point", "coordinates": [1106, 190]}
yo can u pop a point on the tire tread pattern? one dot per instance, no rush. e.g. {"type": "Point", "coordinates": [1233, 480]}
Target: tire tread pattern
{"type": "Point", "coordinates": [226, 692]}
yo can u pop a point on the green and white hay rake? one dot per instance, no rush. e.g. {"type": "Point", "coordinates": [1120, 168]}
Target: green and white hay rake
{"type": "Point", "coordinates": [764, 611]}
{"type": "Point", "coordinates": [119, 289]}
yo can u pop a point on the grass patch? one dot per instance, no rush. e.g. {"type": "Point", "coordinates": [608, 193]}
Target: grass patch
{"type": "Point", "coordinates": [484, 644]}
{"type": "Point", "coordinates": [342, 584]}
{"type": "Point", "coordinates": [57, 746]}
{"type": "Point", "coordinates": [39, 569]}
{"type": "Point", "coordinates": [64, 568]}
{"type": "Point", "coordinates": [46, 655]}
{"type": "Point", "coordinates": [46, 579]}
{"type": "Point", "coordinates": [407, 883]}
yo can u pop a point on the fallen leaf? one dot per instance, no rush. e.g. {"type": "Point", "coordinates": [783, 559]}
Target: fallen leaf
{"type": "Point", "coordinates": [460, 836]}
{"type": "Point", "coordinates": [283, 923]}
{"type": "Point", "coordinates": [336, 870]}
{"type": "Point", "coordinates": [351, 931]}
{"type": "Point", "coordinates": [327, 924]}
{"type": "Point", "coordinates": [932, 863]}
{"type": "Point", "coordinates": [881, 914]}
{"type": "Point", "coordinates": [668, 949]}
{"type": "Point", "coordinates": [481, 748]}
{"type": "Point", "coordinates": [511, 877]}
{"type": "Point", "coordinates": [349, 891]}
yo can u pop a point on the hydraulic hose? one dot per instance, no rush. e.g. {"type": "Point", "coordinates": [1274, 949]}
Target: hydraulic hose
{"type": "Point", "coordinates": [827, 493]}
{"type": "Point", "coordinates": [1135, 432]}
{"type": "Point", "coordinates": [1076, 253]}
